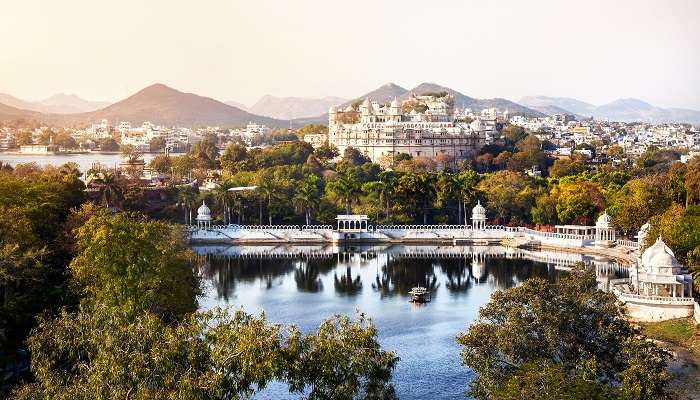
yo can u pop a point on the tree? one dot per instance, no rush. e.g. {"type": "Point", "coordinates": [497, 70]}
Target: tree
{"type": "Point", "coordinates": [23, 137]}
{"type": "Point", "coordinates": [233, 158]}
{"type": "Point", "coordinates": [346, 189]}
{"type": "Point", "coordinates": [637, 201]}
{"type": "Point", "coordinates": [354, 157]}
{"type": "Point", "coordinates": [306, 197]}
{"type": "Point", "coordinates": [568, 328]}
{"type": "Point", "coordinates": [692, 181]}
{"type": "Point", "coordinates": [343, 360]}
{"type": "Point", "coordinates": [308, 129]}
{"type": "Point", "coordinates": [108, 144]}
{"type": "Point", "coordinates": [157, 143]}
{"type": "Point", "coordinates": [161, 163]}
{"type": "Point", "coordinates": [326, 152]}
{"type": "Point", "coordinates": [130, 153]}
{"type": "Point", "coordinates": [566, 167]}
{"type": "Point", "coordinates": [134, 264]}
{"type": "Point", "coordinates": [509, 195]}
{"type": "Point", "coordinates": [513, 134]}
{"type": "Point", "coordinates": [418, 190]}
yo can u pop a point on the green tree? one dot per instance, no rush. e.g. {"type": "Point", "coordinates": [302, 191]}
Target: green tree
{"type": "Point", "coordinates": [692, 181]}
{"type": "Point", "coordinates": [568, 327]}
{"type": "Point", "coordinates": [306, 198]}
{"type": "Point", "coordinates": [134, 264]}
{"type": "Point", "coordinates": [346, 188]}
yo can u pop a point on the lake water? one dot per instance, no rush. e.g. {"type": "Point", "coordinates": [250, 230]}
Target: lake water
{"type": "Point", "coordinates": [85, 161]}
{"type": "Point", "coordinates": [305, 285]}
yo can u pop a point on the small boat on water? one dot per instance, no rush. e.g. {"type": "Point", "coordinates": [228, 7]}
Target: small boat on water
{"type": "Point", "coordinates": [419, 294]}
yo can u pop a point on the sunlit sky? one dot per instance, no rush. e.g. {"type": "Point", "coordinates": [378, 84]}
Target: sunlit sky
{"type": "Point", "coordinates": [596, 51]}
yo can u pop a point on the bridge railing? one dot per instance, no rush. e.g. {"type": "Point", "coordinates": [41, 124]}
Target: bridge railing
{"type": "Point", "coordinates": [627, 243]}
{"type": "Point", "coordinates": [654, 299]}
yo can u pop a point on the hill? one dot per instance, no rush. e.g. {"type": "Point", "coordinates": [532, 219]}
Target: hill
{"type": "Point", "coordinates": [559, 105]}
{"type": "Point", "coordinates": [163, 105]}
{"type": "Point", "coordinates": [59, 104]}
{"type": "Point", "coordinates": [293, 107]}
{"type": "Point", "coordinates": [626, 110]}
{"type": "Point", "coordinates": [462, 100]}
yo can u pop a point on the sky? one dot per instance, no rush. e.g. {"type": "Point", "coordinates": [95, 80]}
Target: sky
{"type": "Point", "coordinates": [596, 51]}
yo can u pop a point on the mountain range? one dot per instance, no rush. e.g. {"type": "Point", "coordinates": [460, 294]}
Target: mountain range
{"type": "Point", "coordinates": [626, 110]}
{"type": "Point", "coordinates": [158, 103]}
{"type": "Point", "coordinates": [164, 105]}
{"type": "Point", "coordinates": [57, 104]}
{"type": "Point", "coordinates": [293, 107]}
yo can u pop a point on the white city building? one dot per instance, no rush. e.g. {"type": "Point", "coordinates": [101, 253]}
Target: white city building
{"type": "Point", "coordinates": [422, 126]}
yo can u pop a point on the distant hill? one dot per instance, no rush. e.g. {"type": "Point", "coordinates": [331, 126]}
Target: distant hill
{"type": "Point", "coordinates": [293, 107]}
{"type": "Point", "coordinates": [462, 100]}
{"type": "Point", "coordinates": [388, 91]}
{"type": "Point", "coordinates": [236, 104]}
{"type": "Point", "coordinates": [164, 105]}
{"type": "Point", "coordinates": [626, 110]}
{"type": "Point", "coordinates": [158, 104]}
{"type": "Point", "coordinates": [8, 113]}
{"type": "Point", "coordinates": [558, 105]}
{"type": "Point", "coordinates": [59, 104]}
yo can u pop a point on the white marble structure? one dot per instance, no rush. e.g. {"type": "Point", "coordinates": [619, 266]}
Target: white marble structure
{"type": "Point", "coordinates": [203, 217]}
{"type": "Point", "coordinates": [422, 126]}
{"type": "Point", "coordinates": [604, 231]}
{"type": "Point", "coordinates": [659, 287]}
{"type": "Point", "coordinates": [478, 217]}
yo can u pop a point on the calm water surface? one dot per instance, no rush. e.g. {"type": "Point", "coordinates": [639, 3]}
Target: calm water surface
{"type": "Point", "coordinates": [85, 161]}
{"type": "Point", "coordinates": [305, 285]}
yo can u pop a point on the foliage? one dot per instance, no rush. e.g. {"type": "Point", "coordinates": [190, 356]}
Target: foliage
{"type": "Point", "coordinates": [568, 328]}
{"type": "Point", "coordinates": [134, 264]}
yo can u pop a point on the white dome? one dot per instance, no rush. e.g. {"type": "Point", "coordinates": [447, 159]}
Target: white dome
{"type": "Point", "coordinates": [203, 212]}
{"type": "Point", "coordinates": [663, 260]}
{"type": "Point", "coordinates": [657, 252]}
{"type": "Point", "coordinates": [478, 211]}
{"type": "Point", "coordinates": [603, 221]}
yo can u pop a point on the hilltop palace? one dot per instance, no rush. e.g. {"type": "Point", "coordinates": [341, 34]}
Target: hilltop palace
{"type": "Point", "coordinates": [422, 126]}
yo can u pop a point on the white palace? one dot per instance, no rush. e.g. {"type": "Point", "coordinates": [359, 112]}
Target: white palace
{"type": "Point", "coordinates": [422, 126]}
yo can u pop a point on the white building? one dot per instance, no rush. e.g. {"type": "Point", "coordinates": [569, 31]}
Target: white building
{"type": "Point", "coordinates": [422, 126]}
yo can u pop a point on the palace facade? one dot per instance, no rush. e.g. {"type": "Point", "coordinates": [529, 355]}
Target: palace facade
{"type": "Point", "coordinates": [422, 126]}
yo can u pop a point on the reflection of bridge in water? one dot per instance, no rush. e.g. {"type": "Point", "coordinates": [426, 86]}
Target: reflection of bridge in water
{"type": "Point", "coordinates": [552, 258]}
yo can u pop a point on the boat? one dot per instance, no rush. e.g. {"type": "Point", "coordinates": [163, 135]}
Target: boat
{"type": "Point", "coordinates": [419, 294]}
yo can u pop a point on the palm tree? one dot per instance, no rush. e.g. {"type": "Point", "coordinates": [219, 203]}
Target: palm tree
{"type": "Point", "coordinates": [306, 197]}
{"type": "Point", "coordinates": [346, 188]}
{"type": "Point", "coordinates": [187, 197]}
{"type": "Point", "coordinates": [112, 189]}
{"type": "Point", "coordinates": [266, 190]}
{"type": "Point", "coordinates": [223, 197]}
{"type": "Point", "coordinates": [465, 186]}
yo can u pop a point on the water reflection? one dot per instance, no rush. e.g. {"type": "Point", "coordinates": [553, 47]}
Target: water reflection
{"type": "Point", "coordinates": [396, 269]}
{"type": "Point", "coordinates": [305, 285]}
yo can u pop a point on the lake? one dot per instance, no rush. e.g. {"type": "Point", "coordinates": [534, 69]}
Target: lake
{"type": "Point", "coordinates": [84, 161]}
{"type": "Point", "coordinates": [305, 285]}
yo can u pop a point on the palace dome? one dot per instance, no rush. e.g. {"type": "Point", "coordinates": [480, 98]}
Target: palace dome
{"type": "Point", "coordinates": [478, 211]}
{"type": "Point", "coordinates": [203, 212]}
{"type": "Point", "coordinates": [658, 254]}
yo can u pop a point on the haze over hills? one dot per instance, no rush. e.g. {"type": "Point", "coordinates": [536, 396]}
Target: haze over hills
{"type": "Point", "coordinates": [236, 104]}
{"type": "Point", "coordinates": [60, 103]}
{"type": "Point", "coordinates": [626, 110]}
{"type": "Point", "coordinates": [163, 105]}
{"type": "Point", "coordinates": [293, 107]}
{"type": "Point", "coordinates": [158, 104]}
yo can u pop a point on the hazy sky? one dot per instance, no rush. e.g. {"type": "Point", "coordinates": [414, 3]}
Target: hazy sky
{"type": "Point", "coordinates": [596, 51]}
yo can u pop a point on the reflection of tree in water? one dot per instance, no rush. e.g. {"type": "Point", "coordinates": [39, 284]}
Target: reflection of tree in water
{"type": "Point", "coordinates": [306, 277]}
{"type": "Point", "coordinates": [457, 273]}
{"type": "Point", "coordinates": [345, 284]}
{"type": "Point", "coordinates": [506, 273]}
{"type": "Point", "coordinates": [400, 275]}
{"type": "Point", "coordinates": [226, 272]}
